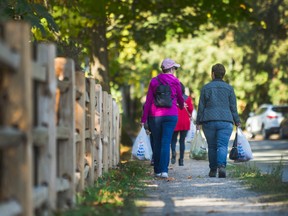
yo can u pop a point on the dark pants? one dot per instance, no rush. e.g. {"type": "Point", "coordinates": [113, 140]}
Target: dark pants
{"type": "Point", "coordinates": [183, 135]}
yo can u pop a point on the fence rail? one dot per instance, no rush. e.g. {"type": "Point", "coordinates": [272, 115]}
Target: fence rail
{"type": "Point", "coordinates": [58, 130]}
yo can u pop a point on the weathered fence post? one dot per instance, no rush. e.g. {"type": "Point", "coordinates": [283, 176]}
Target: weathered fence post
{"type": "Point", "coordinates": [105, 131]}
{"type": "Point", "coordinates": [16, 122]}
{"type": "Point", "coordinates": [80, 128]}
{"type": "Point", "coordinates": [110, 131]}
{"type": "Point", "coordinates": [116, 140]}
{"type": "Point", "coordinates": [90, 127]}
{"type": "Point", "coordinates": [98, 130]}
{"type": "Point", "coordinates": [44, 131]}
{"type": "Point", "coordinates": [65, 114]}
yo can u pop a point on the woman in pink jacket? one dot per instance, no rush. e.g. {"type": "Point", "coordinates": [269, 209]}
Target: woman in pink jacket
{"type": "Point", "coordinates": [162, 120]}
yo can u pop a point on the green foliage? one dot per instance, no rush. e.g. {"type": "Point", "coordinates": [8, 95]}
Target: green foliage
{"type": "Point", "coordinates": [159, 20]}
{"type": "Point", "coordinates": [267, 183]}
{"type": "Point", "coordinates": [263, 62]}
{"type": "Point", "coordinates": [34, 13]}
{"type": "Point", "coordinates": [251, 50]}
{"type": "Point", "coordinates": [113, 193]}
{"type": "Point", "coordinates": [248, 37]}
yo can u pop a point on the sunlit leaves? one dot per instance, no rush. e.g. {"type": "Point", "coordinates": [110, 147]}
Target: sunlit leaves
{"type": "Point", "coordinates": [260, 78]}
{"type": "Point", "coordinates": [263, 24]}
{"type": "Point", "coordinates": [32, 12]}
{"type": "Point", "coordinates": [128, 52]}
{"type": "Point", "coordinates": [278, 91]}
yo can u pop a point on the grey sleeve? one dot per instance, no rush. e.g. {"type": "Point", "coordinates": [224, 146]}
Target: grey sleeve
{"type": "Point", "coordinates": [233, 106]}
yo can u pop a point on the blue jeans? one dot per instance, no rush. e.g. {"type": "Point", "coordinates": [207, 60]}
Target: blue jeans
{"type": "Point", "coordinates": [217, 134]}
{"type": "Point", "coordinates": [162, 129]}
{"type": "Point", "coordinates": [183, 135]}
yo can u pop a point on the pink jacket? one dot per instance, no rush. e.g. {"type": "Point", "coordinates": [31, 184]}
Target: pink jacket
{"type": "Point", "coordinates": [151, 110]}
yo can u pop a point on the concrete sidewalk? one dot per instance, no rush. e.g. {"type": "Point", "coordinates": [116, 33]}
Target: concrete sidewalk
{"type": "Point", "coordinates": [189, 191]}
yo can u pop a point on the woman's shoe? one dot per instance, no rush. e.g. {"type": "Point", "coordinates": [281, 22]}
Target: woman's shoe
{"type": "Point", "coordinates": [181, 162]}
{"type": "Point", "coordinates": [212, 172]}
{"type": "Point", "coordinates": [173, 158]}
{"type": "Point", "coordinates": [222, 172]}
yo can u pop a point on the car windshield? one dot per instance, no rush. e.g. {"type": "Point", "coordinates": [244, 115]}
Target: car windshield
{"type": "Point", "coordinates": [283, 110]}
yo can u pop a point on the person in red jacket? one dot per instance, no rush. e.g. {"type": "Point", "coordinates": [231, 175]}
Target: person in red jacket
{"type": "Point", "coordinates": [182, 127]}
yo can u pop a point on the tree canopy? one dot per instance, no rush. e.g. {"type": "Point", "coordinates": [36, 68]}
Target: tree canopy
{"type": "Point", "coordinates": [121, 43]}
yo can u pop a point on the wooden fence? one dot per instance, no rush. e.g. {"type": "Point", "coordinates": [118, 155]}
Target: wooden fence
{"type": "Point", "coordinates": [58, 130]}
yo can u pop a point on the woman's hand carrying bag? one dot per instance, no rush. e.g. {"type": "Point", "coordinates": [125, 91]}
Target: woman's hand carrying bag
{"type": "Point", "coordinates": [141, 149]}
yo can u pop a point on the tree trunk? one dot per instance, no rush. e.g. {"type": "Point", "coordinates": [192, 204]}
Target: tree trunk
{"type": "Point", "coordinates": [100, 65]}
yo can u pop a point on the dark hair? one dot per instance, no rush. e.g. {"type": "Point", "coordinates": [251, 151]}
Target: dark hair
{"type": "Point", "coordinates": [169, 69]}
{"type": "Point", "coordinates": [166, 70]}
{"type": "Point", "coordinates": [218, 70]}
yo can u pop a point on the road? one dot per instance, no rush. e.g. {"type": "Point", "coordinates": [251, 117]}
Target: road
{"type": "Point", "coordinates": [267, 153]}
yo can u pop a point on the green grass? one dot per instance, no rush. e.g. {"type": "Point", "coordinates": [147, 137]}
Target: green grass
{"type": "Point", "coordinates": [269, 184]}
{"type": "Point", "coordinates": [114, 193]}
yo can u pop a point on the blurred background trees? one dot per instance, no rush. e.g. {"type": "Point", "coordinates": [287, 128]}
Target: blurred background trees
{"type": "Point", "coordinates": [122, 43]}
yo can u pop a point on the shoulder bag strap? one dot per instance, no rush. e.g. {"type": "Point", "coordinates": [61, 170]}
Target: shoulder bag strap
{"type": "Point", "coordinates": [188, 112]}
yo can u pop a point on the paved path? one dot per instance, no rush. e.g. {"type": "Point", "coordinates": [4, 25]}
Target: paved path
{"type": "Point", "coordinates": [189, 191]}
{"type": "Point", "coordinates": [265, 156]}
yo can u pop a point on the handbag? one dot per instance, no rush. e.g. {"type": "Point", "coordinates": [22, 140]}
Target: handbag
{"type": "Point", "coordinates": [233, 155]}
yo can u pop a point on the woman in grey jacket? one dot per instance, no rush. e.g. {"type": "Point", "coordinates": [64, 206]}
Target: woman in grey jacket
{"type": "Point", "coordinates": [217, 111]}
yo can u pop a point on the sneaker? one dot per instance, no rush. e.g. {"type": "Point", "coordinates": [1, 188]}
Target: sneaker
{"type": "Point", "coordinates": [212, 173]}
{"type": "Point", "coordinates": [222, 172]}
{"type": "Point", "coordinates": [164, 175]}
{"type": "Point", "coordinates": [157, 174]}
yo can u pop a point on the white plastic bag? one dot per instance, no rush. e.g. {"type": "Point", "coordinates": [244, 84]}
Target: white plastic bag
{"type": "Point", "coordinates": [141, 147]}
{"type": "Point", "coordinates": [243, 146]}
{"type": "Point", "coordinates": [198, 147]}
{"type": "Point", "coordinates": [191, 133]}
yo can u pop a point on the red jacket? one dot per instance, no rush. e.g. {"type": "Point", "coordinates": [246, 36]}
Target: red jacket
{"type": "Point", "coordinates": [183, 116]}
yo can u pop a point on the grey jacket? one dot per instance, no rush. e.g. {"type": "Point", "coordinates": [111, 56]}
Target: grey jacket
{"type": "Point", "coordinates": [217, 103]}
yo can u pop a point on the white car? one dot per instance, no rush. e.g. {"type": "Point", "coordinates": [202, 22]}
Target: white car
{"type": "Point", "coordinates": [266, 120]}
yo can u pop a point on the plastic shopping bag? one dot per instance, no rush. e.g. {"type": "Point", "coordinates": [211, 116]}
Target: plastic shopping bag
{"type": "Point", "coordinates": [142, 147]}
{"type": "Point", "coordinates": [191, 133]}
{"type": "Point", "coordinates": [198, 147]}
{"type": "Point", "coordinates": [243, 146]}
